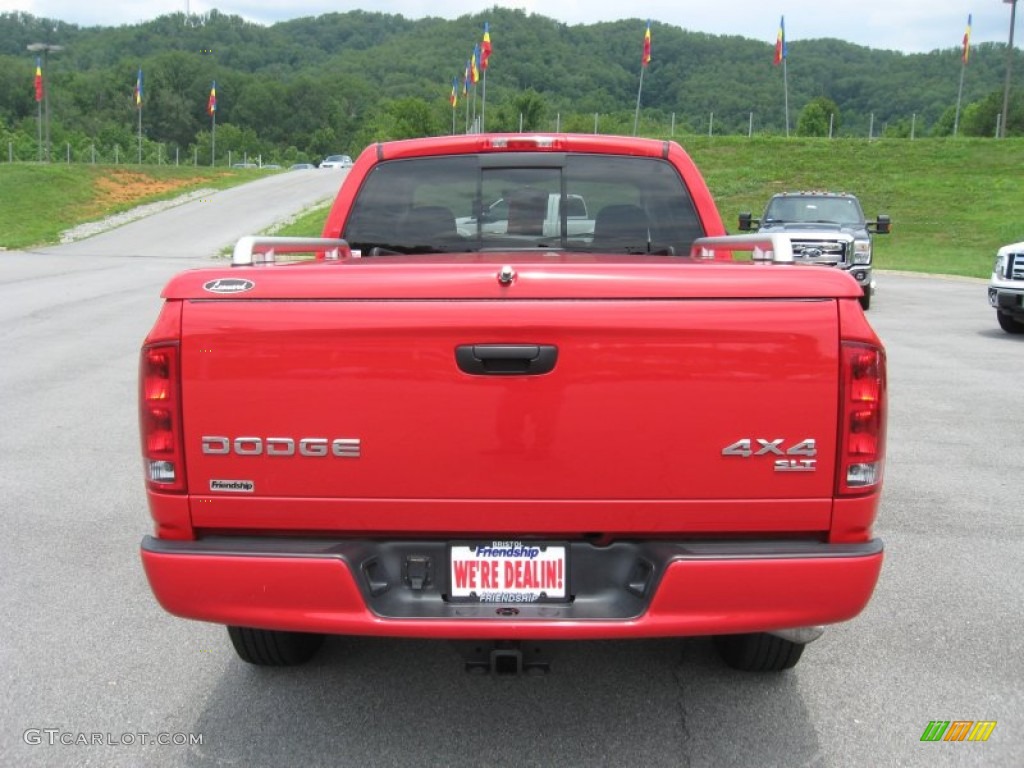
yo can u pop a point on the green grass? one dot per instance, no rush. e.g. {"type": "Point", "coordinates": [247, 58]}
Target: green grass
{"type": "Point", "coordinates": [953, 202]}
{"type": "Point", "coordinates": [38, 202]}
{"type": "Point", "coordinates": [309, 224]}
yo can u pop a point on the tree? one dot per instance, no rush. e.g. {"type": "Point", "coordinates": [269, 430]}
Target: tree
{"type": "Point", "coordinates": [818, 117]}
{"type": "Point", "coordinates": [402, 119]}
{"type": "Point", "coordinates": [529, 106]}
{"type": "Point", "coordinates": [944, 125]}
{"type": "Point", "coordinates": [981, 117]}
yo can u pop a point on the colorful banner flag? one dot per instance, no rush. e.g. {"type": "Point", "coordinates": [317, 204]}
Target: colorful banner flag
{"type": "Point", "coordinates": [454, 98]}
{"type": "Point", "coordinates": [967, 40]}
{"type": "Point", "coordinates": [645, 59]}
{"type": "Point", "coordinates": [211, 103]}
{"type": "Point", "coordinates": [466, 77]}
{"type": "Point", "coordinates": [474, 64]}
{"type": "Point", "coordinates": [138, 89]}
{"type": "Point", "coordinates": [39, 79]}
{"type": "Point", "coordinates": [780, 42]}
{"type": "Point", "coordinates": [485, 47]}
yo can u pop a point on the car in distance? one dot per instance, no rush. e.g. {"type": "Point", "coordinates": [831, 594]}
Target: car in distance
{"type": "Point", "coordinates": [301, 166]}
{"type": "Point", "coordinates": [336, 161]}
{"type": "Point", "coordinates": [1006, 288]}
{"type": "Point", "coordinates": [818, 214]}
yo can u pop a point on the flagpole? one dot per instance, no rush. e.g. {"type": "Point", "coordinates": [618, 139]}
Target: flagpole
{"type": "Point", "coordinates": [466, 94]}
{"type": "Point", "coordinates": [636, 113]}
{"type": "Point", "coordinates": [484, 58]}
{"type": "Point", "coordinates": [211, 107]}
{"type": "Point", "coordinates": [959, 95]}
{"type": "Point", "coordinates": [963, 66]}
{"type": "Point", "coordinates": [785, 90]}
{"type": "Point", "coordinates": [453, 100]}
{"type": "Point", "coordinates": [645, 59]}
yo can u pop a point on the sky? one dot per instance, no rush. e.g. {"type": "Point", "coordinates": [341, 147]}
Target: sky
{"type": "Point", "coordinates": [911, 26]}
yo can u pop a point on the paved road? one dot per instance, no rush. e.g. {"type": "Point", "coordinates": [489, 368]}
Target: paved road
{"type": "Point", "coordinates": [85, 650]}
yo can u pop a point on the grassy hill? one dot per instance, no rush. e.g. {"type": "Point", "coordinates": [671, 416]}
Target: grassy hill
{"type": "Point", "coordinates": [953, 202]}
{"type": "Point", "coordinates": [38, 202]}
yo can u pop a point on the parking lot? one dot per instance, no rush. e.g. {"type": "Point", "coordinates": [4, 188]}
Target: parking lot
{"type": "Point", "coordinates": [86, 651]}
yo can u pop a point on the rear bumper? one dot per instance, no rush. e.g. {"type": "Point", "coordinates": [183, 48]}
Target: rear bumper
{"type": "Point", "coordinates": [627, 589]}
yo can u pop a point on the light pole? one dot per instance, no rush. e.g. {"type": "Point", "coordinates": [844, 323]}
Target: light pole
{"type": "Point", "coordinates": [1009, 69]}
{"type": "Point", "coordinates": [46, 48]}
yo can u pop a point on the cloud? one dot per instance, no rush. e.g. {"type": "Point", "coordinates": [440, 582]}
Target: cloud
{"type": "Point", "coordinates": [904, 25]}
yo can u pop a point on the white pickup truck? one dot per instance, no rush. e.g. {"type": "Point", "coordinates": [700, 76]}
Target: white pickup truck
{"type": "Point", "coordinates": [530, 211]}
{"type": "Point", "coordinates": [1006, 288]}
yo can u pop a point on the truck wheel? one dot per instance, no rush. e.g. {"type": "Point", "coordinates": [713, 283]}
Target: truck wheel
{"type": "Point", "coordinates": [758, 652]}
{"type": "Point", "coordinates": [272, 648]}
{"type": "Point", "coordinates": [865, 301]}
{"type": "Point", "coordinates": [1009, 324]}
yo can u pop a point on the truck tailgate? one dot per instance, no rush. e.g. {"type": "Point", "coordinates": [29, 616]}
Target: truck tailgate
{"type": "Point", "coordinates": [658, 415]}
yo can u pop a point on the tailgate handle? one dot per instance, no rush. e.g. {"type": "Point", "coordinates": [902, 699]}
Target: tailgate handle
{"type": "Point", "coordinates": [506, 359]}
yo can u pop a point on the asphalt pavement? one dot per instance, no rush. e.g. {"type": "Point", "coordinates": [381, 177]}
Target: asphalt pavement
{"type": "Point", "coordinates": [88, 657]}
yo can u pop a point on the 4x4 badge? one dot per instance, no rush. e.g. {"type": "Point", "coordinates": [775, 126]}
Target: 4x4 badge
{"type": "Point", "coordinates": [752, 447]}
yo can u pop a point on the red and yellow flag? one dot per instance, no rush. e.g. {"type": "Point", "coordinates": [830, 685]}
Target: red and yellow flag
{"type": "Point", "coordinates": [39, 79]}
{"type": "Point", "coordinates": [454, 98]}
{"type": "Point", "coordinates": [485, 46]}
{"type": "Point", "coordinates": [474, 64]}
{"type": "Point", "coordinates": [780, 42]}
{"type": "Point", "coordinates": [645, 59]}
{"type": "Point", "coordinates": [967, 40]}
{"type": "Point", "coordinates": [211, 103]}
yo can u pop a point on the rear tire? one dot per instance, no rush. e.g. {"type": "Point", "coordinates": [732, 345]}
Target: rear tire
{"type": "Point", "coordinates": [273, 648]}
{"type": "Point", "coordinates": [758, 652]}
{"type": "Point", "coordinates": [1009, 324]}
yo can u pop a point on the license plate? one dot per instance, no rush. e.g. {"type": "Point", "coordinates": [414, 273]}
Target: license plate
{"type": "Point", "coordinates": [508, 572]}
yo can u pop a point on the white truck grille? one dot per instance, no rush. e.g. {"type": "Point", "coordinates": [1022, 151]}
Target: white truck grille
{"type": "Point", "coordinates": [1015, 266]}
{"type": "Point", "coordinates": [819, 251]}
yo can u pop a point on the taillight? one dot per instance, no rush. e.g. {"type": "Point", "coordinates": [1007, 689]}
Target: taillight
{"type": "Point", "coordinates": [160, 418]}
{"type": "Point", "coordinates": [862, 414]}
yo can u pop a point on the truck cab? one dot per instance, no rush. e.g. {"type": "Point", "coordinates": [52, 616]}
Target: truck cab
{"type": "Point", "coordinates": [817, 217]}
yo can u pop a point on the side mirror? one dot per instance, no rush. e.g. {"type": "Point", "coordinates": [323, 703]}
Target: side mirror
{"type": "Point", "coordinates": [745, 221]}
{"type": "Point", "coordinates": [883, 225]}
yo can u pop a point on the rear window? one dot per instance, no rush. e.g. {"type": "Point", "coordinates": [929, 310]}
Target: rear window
{"type": "Point", "coordinates": [595, 203]}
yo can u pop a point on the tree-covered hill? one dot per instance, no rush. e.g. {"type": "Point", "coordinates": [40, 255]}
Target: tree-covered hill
{"type": "Point", "coordinates": [311, 86]}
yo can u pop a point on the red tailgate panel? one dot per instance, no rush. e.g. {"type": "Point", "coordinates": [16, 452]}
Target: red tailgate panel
{"type": "Point", "coordinates": [644, 397]}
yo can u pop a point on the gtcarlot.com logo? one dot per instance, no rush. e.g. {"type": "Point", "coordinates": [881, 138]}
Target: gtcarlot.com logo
{"type": "Point", "coordinates": [958, 730]}
{"type": "Point", "coordinates": [57, 736]}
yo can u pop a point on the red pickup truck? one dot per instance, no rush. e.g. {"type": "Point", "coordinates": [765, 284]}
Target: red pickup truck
{"type": "Point", "coordinates": [431, 429]}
